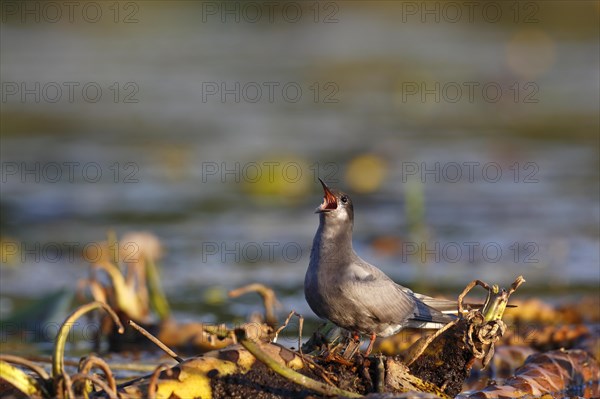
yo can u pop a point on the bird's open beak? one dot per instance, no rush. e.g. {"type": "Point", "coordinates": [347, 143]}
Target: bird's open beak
{"type": "Point", "coordinates": [329, 200]}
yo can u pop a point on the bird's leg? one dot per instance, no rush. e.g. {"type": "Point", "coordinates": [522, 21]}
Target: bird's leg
{"type": "Point", "coordinates": [372, 337]}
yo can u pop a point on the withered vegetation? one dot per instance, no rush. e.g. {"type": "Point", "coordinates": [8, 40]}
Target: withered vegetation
{"type": "Point", "coordinates": [247, 361]}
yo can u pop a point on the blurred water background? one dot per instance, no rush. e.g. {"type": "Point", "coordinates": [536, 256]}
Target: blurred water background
{"type": "Point", "coordinates": [467, 133]}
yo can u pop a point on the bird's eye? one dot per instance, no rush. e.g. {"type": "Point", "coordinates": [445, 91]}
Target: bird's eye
{"type": "Point", "coordinates": [344, 199]}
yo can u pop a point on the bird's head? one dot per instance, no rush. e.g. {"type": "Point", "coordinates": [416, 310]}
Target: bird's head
{"type": "Point", "coordinates": [336, 206]}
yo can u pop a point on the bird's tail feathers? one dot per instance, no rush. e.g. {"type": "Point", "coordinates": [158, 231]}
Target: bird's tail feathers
{"type": "Point", "coordinates": [441, 305]}
{"type": "Point", "coordinates": [426, 316]}
{"type": "Point", "coordinates": [426, 325]}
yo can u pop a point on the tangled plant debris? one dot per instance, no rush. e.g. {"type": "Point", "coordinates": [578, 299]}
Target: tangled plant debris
{"type": "Point", "coordinates": [248, 362]}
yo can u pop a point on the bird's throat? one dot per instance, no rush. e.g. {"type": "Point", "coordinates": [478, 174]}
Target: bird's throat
{"type": "Point", "coordinates": [332, 243]}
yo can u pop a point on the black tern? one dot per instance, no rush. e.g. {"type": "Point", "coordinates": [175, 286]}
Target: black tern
{"type": "Point", "coordinates": [351, 293]}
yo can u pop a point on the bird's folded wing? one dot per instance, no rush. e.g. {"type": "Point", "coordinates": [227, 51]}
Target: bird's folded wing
{"type": "Point", "coordinates": [388, 302]}
{"type": "Point", "coordinates": [381, 299]}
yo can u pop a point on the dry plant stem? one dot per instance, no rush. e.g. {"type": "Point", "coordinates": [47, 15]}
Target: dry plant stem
{"type": "Point", "coordinates": [520, 280]}
{"type": "Point", "coordinates": [489, 309]}
{"type": "Point", "coordinates": [290, 374]}
{"type": "Point", "coordinates": [380, 387]}
{"type": "Point", "coordinates": [468, 288]}
{"type": "Point", "coordinates": [305, 358]}
{"type": "Point", "coordinates": [64, 385]}
{"type": "Point", "coordinates": [311, 363]}
{"type": "Point", "coordinates": [430, 339]}
{"type": "Point", "coordinates": [58, 359]}
{"type": "Point", "coordinates": [497, 301]}
{"type": "Point", "coordinates": [352, 347]}
{"type": "Point", "coordinates": [488, 318]}
{"type": "Point", "coordinates": [152, 388]}
{"type": "Point", "coordinates": [493, 309]}
{"type": "Point", "coordinates": [323, 374]}
{"type": "Point", "coordinates": [268, 296]}
{"type": "Point", "coordinates": [156, 341]}
{"type": "Point", "coordinates": [94, 361]}
{"type": "Point", "coordinates": [340, 359]}
{"type": "Point", "coordinates": [23, 382]}
{"type": "Point", "coordinates": [103, 385]}
{"type": "Point", "coordinates": [26, 363]}
{"type": "Point", "coordinates": [285, 324]}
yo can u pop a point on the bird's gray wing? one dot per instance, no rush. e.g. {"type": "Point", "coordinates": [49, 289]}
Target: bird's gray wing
{"type": "Point", "coordinates": [379, 297]}
{"type": "Point", "coordinates": [388, 302]}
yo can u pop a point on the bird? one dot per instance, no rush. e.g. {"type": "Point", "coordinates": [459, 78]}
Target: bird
{"type": "Point", "coordinates": [341, 287]}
